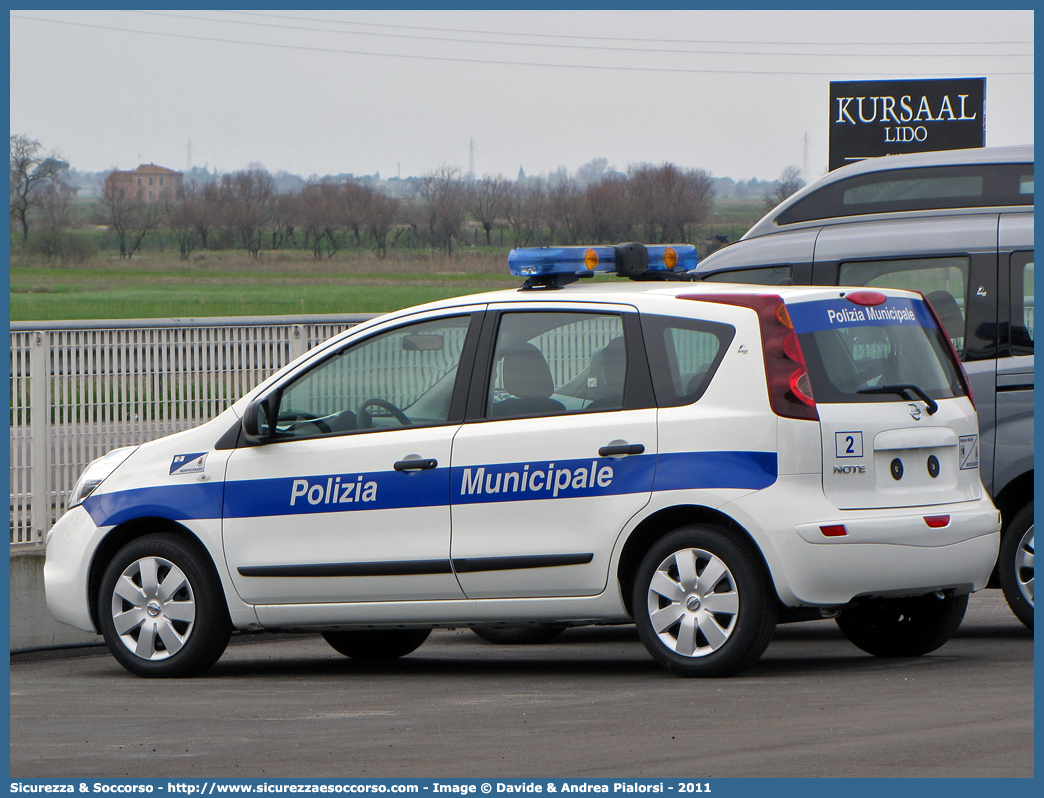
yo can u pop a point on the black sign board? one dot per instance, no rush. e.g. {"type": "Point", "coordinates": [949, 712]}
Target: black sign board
{"type": "Point", "coordinates": [869, 118]}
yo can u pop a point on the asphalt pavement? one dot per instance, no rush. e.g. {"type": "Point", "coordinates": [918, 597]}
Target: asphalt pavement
{"type": "Point", "coordinates": [590, 704]}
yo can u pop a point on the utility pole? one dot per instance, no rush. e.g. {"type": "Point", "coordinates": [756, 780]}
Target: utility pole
{"type": "Point", "coordinates": [471, 160]}
{"type": "Point", "coordinates": [808, 177]}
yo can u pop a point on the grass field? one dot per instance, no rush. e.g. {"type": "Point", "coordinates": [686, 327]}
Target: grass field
{"type": "Point", "coordinates": [231, 284]}
{"type": "Point", "coordinates": [157, 283]}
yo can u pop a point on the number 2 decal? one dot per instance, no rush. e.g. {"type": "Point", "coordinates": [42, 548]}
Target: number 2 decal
{"type": "Point", "coordinates": [848, 444]}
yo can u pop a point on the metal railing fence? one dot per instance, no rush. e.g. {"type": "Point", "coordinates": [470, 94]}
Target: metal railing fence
{"type": "Point", "coordinates": [79, 389]}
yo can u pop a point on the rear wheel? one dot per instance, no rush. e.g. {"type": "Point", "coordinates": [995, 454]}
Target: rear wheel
{"type": "Point", "coordinates": [703, 603]}
{"type": "Point", "coordinates": [519, 634]}
{"type": "Point", "coordinates": [1015, 564]}
{"type": "Point", "coordinates": [377, 644]}
{"type": "Point", "coordinates": [903, 627]}
{"type": "Point", "coordinates": [161, 608]}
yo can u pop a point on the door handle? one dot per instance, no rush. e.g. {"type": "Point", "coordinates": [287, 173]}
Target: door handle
{"type": "Point", "coordinates": [416, 464]}
{"type": "Point", "coordinates": [617, 449]}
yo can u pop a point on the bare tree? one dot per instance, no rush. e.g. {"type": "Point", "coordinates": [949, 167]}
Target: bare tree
{"type": "Point", "coordinates": [446, 200]}
{"type": "Point", "coordinates": [316, 211]}
{"type": "Point", "coordinates": [31, 170]}
{"type": "Point", "coordinates": [667, 200]}
{"type": "Point", "coordinates": [130, 218]}
{"type": "Point", "coordinates": [486, 201]}
{"type": "Point", "coordinates": [201, 206]}
{"type": "Point", "coordinates": [247, 200]}
{"type": "Point", "coordinates": [565, 205]}
{"type": "Point", "coordinates": [524, 212]}
{"type": "Point", "coordinates": [789, 183]}
{"type": "Point", "coordinates": [606, 211]}
{"type": "Point", "coordinates": [177, 214]}
{"type": "Point", "coordinates": [380, 216]}
{"type": "Point", "coordinates": [55, 218]}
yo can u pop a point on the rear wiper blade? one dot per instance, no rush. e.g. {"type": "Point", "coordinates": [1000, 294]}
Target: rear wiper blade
{"type": "Point", "coordinates": [902, 390]}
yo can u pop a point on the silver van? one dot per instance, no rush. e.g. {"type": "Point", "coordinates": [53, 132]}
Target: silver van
{"type": "Point", "coordinates": [958, 227]}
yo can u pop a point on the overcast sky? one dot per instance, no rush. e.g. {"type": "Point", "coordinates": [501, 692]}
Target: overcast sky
{"type": "Point", "coordinates": [738, 93]}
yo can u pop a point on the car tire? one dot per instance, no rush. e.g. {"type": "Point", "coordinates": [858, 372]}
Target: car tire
{"type": "Point", "coordinates": [703, 603]}
{"type": "Point", "coordinates": [903, 627]}
{"type": "Point", "coordinates": [377, 644]}
{"type": "Point", "coordinates": [161, 608]}
{"type": "Point", "coordinates": [519, 634]}
{"type": "Point", "coordinates": [1015, 564]}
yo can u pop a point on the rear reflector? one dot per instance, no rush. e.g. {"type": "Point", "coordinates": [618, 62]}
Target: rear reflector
{"type": "Point", "coordinates": [834, 531]}
{"type": "Point", "coordinates": [937, 521]}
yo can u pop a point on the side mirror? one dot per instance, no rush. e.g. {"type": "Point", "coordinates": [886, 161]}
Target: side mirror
{"type": "Point", "coordinates": [259, 418]}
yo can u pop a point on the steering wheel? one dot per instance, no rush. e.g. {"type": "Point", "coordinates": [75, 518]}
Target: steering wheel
{"type": "Point", "coordinates": [295, 416]}
{"type": "Point", "coordinates": [366, 419]}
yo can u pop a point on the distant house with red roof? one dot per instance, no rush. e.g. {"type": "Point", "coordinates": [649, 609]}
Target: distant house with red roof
{"type": "Point", "coordinates": [148, 182]}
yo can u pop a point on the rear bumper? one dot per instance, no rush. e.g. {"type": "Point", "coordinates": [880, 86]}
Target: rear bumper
{"type": "Point", "coordinates": [882, 552]}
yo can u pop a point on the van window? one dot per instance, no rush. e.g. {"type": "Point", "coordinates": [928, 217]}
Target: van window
{"type": "Point", "coordinates": [943, 281]}
{"type": "Point", "coordinates": [1022, 303]}
{"type": "Point", "coordinates": [762, 275]}
{"type": "Point", "coordinates": [924, 188]}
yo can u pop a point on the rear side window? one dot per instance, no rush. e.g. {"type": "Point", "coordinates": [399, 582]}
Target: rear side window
{"type": "Point", "coordinates": [943, 281]}
{"type": "Point", "coordinates": [872, 353]}
{"type": "Point", "coordinates": [924, 188]}
{"type": "Point", "coordinates": [549, 363]}
{"type": "Point", "coordinates": [683, 356]}
{"type": "Point", "coordinates": [1022, 303]}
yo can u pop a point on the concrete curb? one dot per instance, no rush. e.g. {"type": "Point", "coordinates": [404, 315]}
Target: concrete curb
{"type": "Point", "coordinates": [32, 627]}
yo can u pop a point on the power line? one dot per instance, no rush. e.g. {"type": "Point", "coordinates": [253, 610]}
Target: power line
{"type": "Point", "coordinates": [602, 48]}
{"type": "Point", "coordinates": [492, 62]}
{"type": "Point", "coordinates": [626, 38]}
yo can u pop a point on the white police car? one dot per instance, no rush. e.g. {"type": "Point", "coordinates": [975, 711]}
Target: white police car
{"type": "Point", "coordinates": [706, 460]}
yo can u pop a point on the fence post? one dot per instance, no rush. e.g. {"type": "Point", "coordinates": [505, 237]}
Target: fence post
{"type": "Point", "coordinates": [298, 342]}
{"type": "Point", "coordinates": [39, 431]}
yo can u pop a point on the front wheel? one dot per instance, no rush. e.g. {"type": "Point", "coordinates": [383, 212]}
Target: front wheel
{"type": "Point", "coordinates": [903, 627]}
{"type": "Point", "coordinates": [703, 604]}
{"type": "Point", "coordinates": [161, 608]}
{"type": "Point", "coordinates": [377, 644]}
{"type": "Point", "coordinates": [1015, 565]}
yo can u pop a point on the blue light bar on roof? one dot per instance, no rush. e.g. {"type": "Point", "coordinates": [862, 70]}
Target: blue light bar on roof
{"type": "Point", "coordinates": [586, 261]}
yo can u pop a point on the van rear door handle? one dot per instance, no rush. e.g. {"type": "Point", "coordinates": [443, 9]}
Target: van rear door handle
{"type": "Point", "coordinates": [617, 449]}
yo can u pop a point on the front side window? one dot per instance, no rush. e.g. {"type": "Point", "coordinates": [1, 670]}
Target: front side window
{"type": "Point", "coordinates": [943, 281]}
{"type": "Point", "coordinates": [557, 362]}
{"type": "Point", "coordinates": [404, 377]}
{"type": "Point", "coordinates": [1022, 303]}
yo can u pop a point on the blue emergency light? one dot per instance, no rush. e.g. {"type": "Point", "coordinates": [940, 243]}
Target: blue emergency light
{"type": "Point", "coordinates": [556, 266]}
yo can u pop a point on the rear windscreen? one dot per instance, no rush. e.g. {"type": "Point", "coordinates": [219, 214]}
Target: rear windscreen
{"type": "Point", "coordinates": [857, 353]}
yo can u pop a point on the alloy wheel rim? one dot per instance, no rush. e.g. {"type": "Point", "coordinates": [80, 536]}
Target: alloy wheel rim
{"type": "Point", "coordinates": [153, 608]}
{"type": "Point", "coordinates": [693, 603]}
{"type": "Point", "coordinates": [1024, 566]}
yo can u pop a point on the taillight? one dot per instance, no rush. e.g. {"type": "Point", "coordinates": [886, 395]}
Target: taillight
{"type": "Point", "coordinates": [789, 386]}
